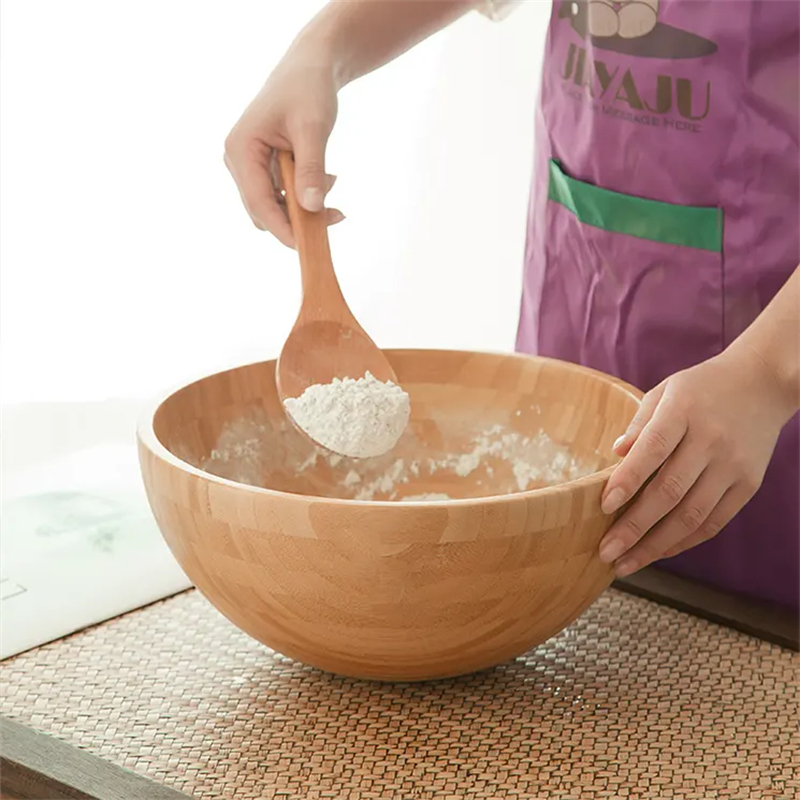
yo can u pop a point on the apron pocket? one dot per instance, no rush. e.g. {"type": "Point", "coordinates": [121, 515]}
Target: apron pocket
{"type": "Point", "coordinates": [631, 286]}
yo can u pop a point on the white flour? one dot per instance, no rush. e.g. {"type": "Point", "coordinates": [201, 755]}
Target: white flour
{"type": "Point", "coordinates": [356, 418]}
{"type": "Point", "coordinates": [492, 460]}
{"type": "Point", "coordinates": [533, 459]}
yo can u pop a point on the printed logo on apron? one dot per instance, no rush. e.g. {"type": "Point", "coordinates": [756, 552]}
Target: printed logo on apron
{"type": "Point", "coordinates": [633, 29]}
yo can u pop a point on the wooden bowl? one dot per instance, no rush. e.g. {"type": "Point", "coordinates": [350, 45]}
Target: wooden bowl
{"type": "Point", "coordinates": [394, 590]}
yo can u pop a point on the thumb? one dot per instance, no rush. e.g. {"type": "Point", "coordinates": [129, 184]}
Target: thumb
{"type": "Point", "coordinates": [311, 182]}
{"type": "Point", "coordinates": [646, 410]}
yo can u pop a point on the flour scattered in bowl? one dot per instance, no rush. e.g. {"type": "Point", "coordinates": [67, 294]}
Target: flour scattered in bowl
{"type": "Point", "coordinates": [533, 459]}
{"type": "Point", "coordinates": [443, 459]}
{"type": "Point", "coordinates": [360, 418]}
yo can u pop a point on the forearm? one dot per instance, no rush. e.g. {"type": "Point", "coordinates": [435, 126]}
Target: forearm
{"type": "Point", "coordinates": [358, 36]}
{"type": "Point", "coordinates": [775, 338]}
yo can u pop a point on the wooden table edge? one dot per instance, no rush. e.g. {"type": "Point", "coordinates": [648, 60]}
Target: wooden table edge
{"type": "Point", "coordinates": [758, 618]}
{"type": "Point", "coordinates": [37, 766]}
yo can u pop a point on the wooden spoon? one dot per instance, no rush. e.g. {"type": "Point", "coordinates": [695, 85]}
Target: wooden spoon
{"type": "Point", "coordinates": [326, 342]}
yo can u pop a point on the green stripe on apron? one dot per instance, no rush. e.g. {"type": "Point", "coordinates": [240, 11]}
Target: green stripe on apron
{"type": "Point", "coordinates": [689, 226]}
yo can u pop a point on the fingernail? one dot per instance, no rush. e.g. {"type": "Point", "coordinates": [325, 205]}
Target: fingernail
{"type": "Point", "coordinates": [613, 501]}
{"type": "Point", "coordinates": [625, 568]}
{"type": "Point", "coordinates": [313, 199]}
{"type": "Point", "coordinates": [619, 442]}
{"type": "Point", "coordinates": [336, 216]}
{"type": "Point", "coordinates": [611, 550]}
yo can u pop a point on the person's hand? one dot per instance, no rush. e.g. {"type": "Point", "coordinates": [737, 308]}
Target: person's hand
{"type": "Point", "coordinates": [705, 436]}
{"type": "Point", "coordinates": [296, 111]}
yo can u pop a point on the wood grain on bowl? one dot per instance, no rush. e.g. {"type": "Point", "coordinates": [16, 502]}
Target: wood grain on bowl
{"type": "Point", "coordinates": [386, 590]}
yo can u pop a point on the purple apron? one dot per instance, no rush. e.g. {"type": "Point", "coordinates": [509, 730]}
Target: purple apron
{"type": "Point", "coordinates": [663, 218]}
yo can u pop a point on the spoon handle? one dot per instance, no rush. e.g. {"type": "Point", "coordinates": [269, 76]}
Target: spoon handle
{"type": "Point", "coordinates": [321, 290]}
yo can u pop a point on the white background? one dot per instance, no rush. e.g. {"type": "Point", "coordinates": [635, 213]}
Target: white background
{"type": "Point", "coordinates": [127, 262]}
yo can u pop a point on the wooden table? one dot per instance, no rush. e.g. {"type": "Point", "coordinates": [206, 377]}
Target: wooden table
{"type": "Point", "coordinates": [171, 701]}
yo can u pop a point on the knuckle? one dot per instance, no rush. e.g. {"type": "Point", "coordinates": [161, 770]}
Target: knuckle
{"type": "Point", "coordinates": [678, 404]}
{"type": "Point", "coordinates": [692, 518]}
{"type": "Point", "coordinates": [710, 528]}
{"type": "Point", "coordinates": [232, 144]}
{"type": "Point", "coordinates": [240, 148]}
{"type": "Point", "coordinates": [310, 167]}
{"type": "Point", "coordinates": [308, 130]}
{"type": "Point", "coordinates": [633, 530]}
{"type": "Point", "coordinates": [752, 482]}
{"type": "Point", "coordinates": [736, 462]}
{"type": "Point", "coordinates": [311, 121]}
{"type": "Point", "coordinates": [671, 487]}
{"type": "Point", "coordinates": [743, 468]}
{"type": "Point", "coordinates": [656, 444]}
{"type": "Point", "coordinates": [715, 436]}
{"type": "Point", "coordinates": [740, 469]}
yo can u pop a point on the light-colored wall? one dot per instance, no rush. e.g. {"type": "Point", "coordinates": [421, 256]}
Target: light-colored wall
{"type": "Point", "coordinates": [127, 262]}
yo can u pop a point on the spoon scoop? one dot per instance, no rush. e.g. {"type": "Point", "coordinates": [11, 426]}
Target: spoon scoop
{"type": "Point", "coordinates": [326, 341]}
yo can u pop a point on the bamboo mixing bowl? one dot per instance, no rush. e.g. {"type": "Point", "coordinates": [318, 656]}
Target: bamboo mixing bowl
{"type": "Point", "coordinates": [387, 590]}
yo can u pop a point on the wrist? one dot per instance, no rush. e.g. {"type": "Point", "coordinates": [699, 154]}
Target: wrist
{"type": "Point", "coordinates": [355, 37]}
{"type": "Point", "coordinates": [771, 345]}
{"type": "Point", "coordinates": [332, 42]}
{"type": "Point", "coordinates": [786, 374]}
{"type": "Point", "coordinates": [777, 375]}
{"type": "Point", "coordinates": [320, 47]}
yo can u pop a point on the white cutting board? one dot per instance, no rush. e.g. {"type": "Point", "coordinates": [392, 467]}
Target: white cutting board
{"type": "Point", "coordinates": [78, 544]}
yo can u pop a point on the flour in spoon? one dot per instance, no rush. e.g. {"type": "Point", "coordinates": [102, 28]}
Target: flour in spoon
{"type": "Point", "coordinates": [357, 418]}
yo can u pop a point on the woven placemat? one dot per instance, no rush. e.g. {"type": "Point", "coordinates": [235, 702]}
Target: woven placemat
{"type": "Point", "coordinates": [634, 700]}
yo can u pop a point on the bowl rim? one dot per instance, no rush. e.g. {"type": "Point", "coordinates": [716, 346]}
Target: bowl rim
{"type": "Point", "coordinates": [147, 438]}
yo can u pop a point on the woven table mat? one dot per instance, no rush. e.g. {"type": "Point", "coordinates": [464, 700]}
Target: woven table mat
{"type": "Point", "coordinates": [634, 700]}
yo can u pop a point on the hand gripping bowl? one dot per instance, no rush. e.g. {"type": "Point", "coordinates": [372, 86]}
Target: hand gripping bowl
{"type": "Point", "coordinates": [378, 589]}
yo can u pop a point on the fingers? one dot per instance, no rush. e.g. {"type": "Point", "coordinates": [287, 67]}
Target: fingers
{"type": "Point", "coordinates": [252, 168]}
{"type": "Point", "coordinates": [673, 485]}
{"type": "Point", "coordinates": [249, 164]}
{"type": "Point", "coordinates": [311, 182]}
{"type": "Point", "coordinates": [728, 507]}
{"type": "Point", "coordinates": [648, 405]}
{"type": "Point", "coordinates": [695, 513]}
{"type": "Point", "coordinates": [657, 441]}
{"type": "Point", "coordinates": [693, 459]}
{"type": "Point", "coordinates": [277, 180]}
{"type": "Point", "coordinates": [334, 216]}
